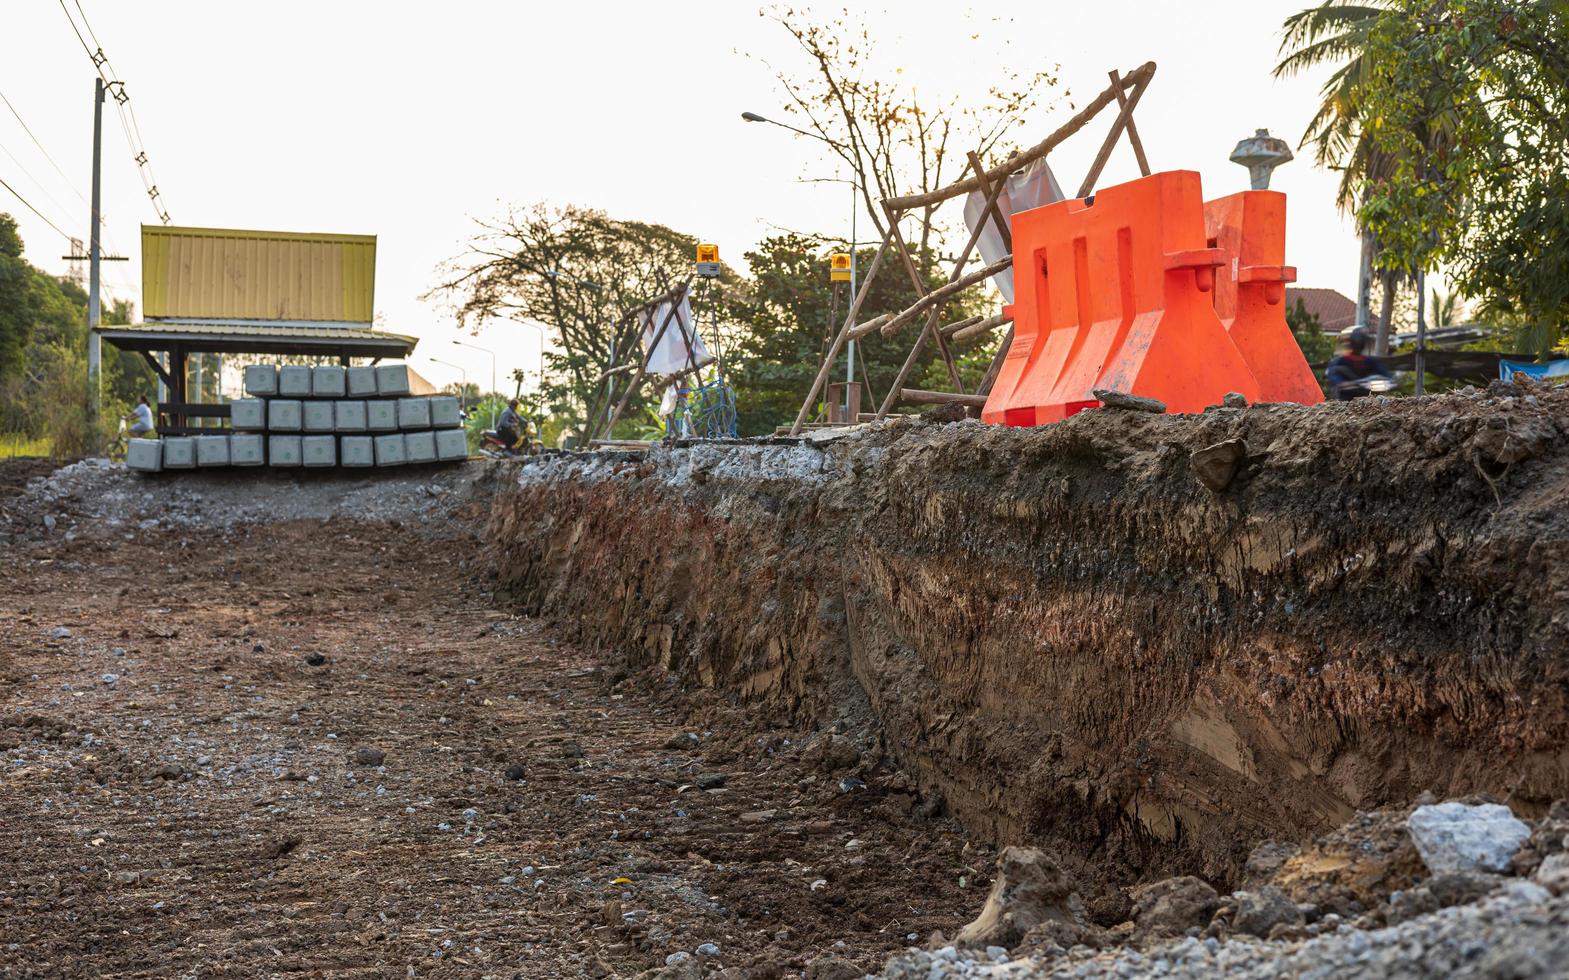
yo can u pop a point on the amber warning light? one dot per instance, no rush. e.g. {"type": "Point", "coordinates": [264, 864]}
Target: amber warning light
{"type": "Point", "coordinates": [839, 267]}
{"type": "Point", "coordinates": [708, 261]}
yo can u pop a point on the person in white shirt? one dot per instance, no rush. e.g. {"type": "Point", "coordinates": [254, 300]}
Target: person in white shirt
{"type": "Point", "coordinates": [141, 418]}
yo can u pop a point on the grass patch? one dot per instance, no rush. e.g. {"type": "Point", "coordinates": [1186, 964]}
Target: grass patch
{"type": "Point", "coordinates": [17, 444]}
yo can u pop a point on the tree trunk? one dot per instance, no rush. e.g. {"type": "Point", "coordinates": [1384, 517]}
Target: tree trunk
{"type": "Point", "coordinates": [1386, 314]}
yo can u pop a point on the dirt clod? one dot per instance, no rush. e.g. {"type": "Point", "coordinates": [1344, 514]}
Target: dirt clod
{"type": "Point", "coordinates": [1029, 894]}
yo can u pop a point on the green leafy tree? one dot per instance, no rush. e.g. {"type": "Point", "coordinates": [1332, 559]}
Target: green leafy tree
{"type": "Point", "coordinates": [18, 299]}
{"type": "Point", "coordinates": [1491, 202]}
{"type": "Point", "coordinates": [575, 270]}
{"type": "Point", "coordinates": [786, 315]}
{"type": "Point", "coordinates": [1339, 32]}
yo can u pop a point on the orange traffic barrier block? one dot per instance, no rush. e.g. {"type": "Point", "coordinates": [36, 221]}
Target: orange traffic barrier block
{"type": "Point", "coordinates": [1250, 292]}
{"type": "Point", "coordinates": [1113, 292]}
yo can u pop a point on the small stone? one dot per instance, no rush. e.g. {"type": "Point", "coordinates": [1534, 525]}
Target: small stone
{"type": "Point", "coordinates": [110, 679]}
{"type": "Point", "coordinates": [1216, 466]}
{"type": "Point", "coordinates": [366, 756]}
{"type": "Point", "coordinates": [758, 816]}
{"type": "Point", "coordinates": [1128, 402]}
{"type": "Point", "coordinates": [1235, 399]}
{"type": "Point", "coordinates": [708, 949]}
{"type": "Point", "coordinates": [710, 780]}
{"type": "Point", "coordinates": [850, 784]}
{"type": "Point", "coordinates": [681, 741]}
{"type": "Point", "coordinates": [1463, 837]}
{"type": "Point", "coordinates": [516, 772]}
{"type": "Point", "coordinates": [680, 956]}
{"type": "Point", "coordinates": [314, 659]}
{"type": "Point", "coordinates": [60, 633]}
{"type": "Point", "coordinates": [1553, 873]}
{"type": "Point", "coordinates": [571, 750]}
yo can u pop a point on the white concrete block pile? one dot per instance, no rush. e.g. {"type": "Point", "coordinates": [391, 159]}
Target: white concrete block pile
{"type": "Point", "coordinates": [323, 416]}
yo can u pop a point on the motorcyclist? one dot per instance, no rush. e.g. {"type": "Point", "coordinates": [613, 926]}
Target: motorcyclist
{"type": "Point", "coordinates": [1353, 365]}
{"type": "Point", "coordinates": [510, 429]}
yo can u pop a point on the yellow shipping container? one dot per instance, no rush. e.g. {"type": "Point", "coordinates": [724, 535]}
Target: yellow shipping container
{"type": "Point", "coordinates": [220, 273]}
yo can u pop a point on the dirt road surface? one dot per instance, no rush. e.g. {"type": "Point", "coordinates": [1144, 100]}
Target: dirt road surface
{"type": "Point", "coordinates": [321, 748]}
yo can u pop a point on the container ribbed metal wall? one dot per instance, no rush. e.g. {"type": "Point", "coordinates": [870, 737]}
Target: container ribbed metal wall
{"type": "Point", "coordinates": [232, 274]}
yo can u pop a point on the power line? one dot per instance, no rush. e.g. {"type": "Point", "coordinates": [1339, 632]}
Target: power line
{"type": "Point", "coordinates": [116, 89]}
{"type": "Point", "coordinates": [33, 209]}
{"type": "Point", "coordinates": [36, 182]}
{"type": "Point", "coordinates": [29, 131]}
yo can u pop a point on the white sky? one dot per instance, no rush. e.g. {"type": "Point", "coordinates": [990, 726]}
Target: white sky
{"type": "Point", "coordinates": [406, 120]}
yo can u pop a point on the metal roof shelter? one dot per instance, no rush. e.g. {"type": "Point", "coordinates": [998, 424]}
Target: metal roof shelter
{"type": "Point", "coordinates": [235, 291]}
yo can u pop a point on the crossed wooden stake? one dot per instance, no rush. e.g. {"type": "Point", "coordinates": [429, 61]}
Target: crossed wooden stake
{"type": "Point", "coordinates": [1126, 92]}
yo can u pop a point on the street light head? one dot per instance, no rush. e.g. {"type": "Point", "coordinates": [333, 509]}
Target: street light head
{"type": "Point", "coordinates": [752, 117]}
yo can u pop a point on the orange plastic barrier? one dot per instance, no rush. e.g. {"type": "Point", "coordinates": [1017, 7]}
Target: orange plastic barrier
{"type": "Point", "coordinates": [1114, 292]}
{"type": "Point", "coordinates": [1250, 291]}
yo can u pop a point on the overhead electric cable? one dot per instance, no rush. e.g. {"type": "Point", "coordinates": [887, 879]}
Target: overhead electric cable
{"type": "Point", "coordinates": [116, 89]}
{"type": "Point", "coordinates": [47, 155]}
{"type": "Point", "coordinates": [30, 207]}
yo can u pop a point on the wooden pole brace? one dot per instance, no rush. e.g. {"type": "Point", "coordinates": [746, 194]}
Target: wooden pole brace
{"type": "Point", "coordinates": [980, 327]}
{"type": "Point", "coordinates": [1111, 138]}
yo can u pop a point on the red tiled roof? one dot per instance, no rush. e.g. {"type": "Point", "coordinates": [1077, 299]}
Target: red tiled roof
{"type": "Point", "coordinates": [1335, 312]}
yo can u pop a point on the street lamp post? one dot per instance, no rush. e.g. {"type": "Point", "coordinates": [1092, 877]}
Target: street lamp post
{"type": "Point", "coordinates": [855, 207]}
{"type": "Point", "coordinates": [463, 376]}
{"type": "Point", "coordinates": [492, 354]}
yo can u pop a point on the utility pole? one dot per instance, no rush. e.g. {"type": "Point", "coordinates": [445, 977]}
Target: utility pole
{"type": "Point", "coordinates": [94, 308]}
{"type": "Point", "coordinates": [849, 373]}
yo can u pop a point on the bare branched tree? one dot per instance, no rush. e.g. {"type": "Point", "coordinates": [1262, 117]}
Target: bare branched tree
{"type": "Point", "coordinates": [895, 139]}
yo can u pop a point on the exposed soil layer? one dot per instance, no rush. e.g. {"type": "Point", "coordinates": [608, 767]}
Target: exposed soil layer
{"type": "Point", "coordinates": [1076, 641]}
{"type": "Point", "coordinates": [320, 748]}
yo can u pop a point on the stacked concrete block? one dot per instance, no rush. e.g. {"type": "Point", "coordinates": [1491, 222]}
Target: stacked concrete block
{"type": "Point", "coordinates": [413, 413]}
{"type": "Point", "coordinates": [261, 380]}
{"type": "Point", "coordinates": [357, 451]}
{"type": "Point", "coordinates": [319, 417]}
{"type": "Point", "coordinates": [419, 447]}
{"type": "Point", "coordinates": [392, 379]}
{"type": "Point", "coordinates": [381, 416]}
{"type": "Point", "coordinates": [349, 416]}
{"type": "Point", "coordinates": [249, 414]}
{"type": "Point", "coordinates": [319, 450]}
{"type": "Point", "coordinates": [329, 381]}
{"type": "Point", "coordinates": [145, 455]}
{"type": "Point", "coordinates": [285, 415]}
{"type": "Point", "coordinates": [294, 381]}
{"type": "Point", "coordinates": [452, 444]}
{"type": "Point", "coordinates": [212, 451]}
{"type": "Point", "coordinates": [362, 382]}
{"type": "Point", "coordinates": [445, 412]}
{"type": "Point", "coordinates": [179, 453]}
{"type": "Point", "coordinates": [389, 450]}
{"type": "Point", "coordinates": [283, 451]}
{"type": "Point", "coordinates": [247, 449]}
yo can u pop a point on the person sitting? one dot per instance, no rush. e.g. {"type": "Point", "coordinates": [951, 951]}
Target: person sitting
{"type": "Point", "coordinates": [1351, 367]}
{"type": "Point", "coordinates": [141, 419]}
{"type": "Point", "coordinates": [510, 429]}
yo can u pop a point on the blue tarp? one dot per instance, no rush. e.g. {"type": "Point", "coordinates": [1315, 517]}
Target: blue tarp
{"type": "Point", "coordinates": [1552, 369]}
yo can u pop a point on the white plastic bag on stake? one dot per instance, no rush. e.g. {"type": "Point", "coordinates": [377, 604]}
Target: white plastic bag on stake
{"type": "Point", "coordinates": [1033, 187]}
{"type": "Point", "coordinates": [680, 346]}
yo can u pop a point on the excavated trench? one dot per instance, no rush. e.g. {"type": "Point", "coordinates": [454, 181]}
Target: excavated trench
{"type": "Point", "coordinates": [1075, 641]}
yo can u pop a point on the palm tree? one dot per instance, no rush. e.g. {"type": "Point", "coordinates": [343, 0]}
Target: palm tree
{"type": "Point", "coordinates": [1337, 32]}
